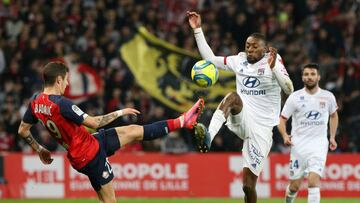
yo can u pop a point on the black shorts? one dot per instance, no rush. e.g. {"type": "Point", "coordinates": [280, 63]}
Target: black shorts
{"type": "Point", "coordinates": [99, 169]}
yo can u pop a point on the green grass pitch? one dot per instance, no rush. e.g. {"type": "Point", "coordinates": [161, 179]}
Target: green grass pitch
{"type": "Point", "coordinates": [185, 200]}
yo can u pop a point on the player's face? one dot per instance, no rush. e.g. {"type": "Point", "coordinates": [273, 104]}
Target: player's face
{"type": "Point", "coordinates": [310, 78]}
{"type": "Point", "coordinates": [255, 49]}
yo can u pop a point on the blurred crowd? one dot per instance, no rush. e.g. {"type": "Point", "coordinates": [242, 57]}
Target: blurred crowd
{"type": "Point", "coordinates": [303, 31]}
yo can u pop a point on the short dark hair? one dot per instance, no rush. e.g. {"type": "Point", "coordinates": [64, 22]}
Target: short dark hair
{"type": "Point", "coordinates": [311, 65]}
{"type": "Point", "coordinates": [259, 36]}
{"type": "Point", "coordinates": [52, 70]}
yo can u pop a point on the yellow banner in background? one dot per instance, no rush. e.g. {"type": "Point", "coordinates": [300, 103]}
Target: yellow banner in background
{"type": "Point", "coordinates": [163, 70]}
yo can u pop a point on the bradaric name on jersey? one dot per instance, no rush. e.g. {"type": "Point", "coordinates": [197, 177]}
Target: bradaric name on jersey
{"type": "Point", "coordinates": [43, 109]}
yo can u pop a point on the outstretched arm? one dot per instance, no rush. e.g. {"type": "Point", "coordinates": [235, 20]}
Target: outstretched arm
{"type": "Point", "coordinates": [24, 132]}
{"type": "Point", "coordinates": [100, 121]}
{"type": "Point", "coordinates": [280, 72]}
{"type": "Point", "coordinates": [204, 49]}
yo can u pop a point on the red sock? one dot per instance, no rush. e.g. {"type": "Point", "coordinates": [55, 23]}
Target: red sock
{"type": "Point", "coordinates": [173, 124]}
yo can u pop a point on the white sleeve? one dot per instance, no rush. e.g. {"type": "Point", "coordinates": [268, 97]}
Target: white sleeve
{"type": "Point", "coordinates": [206, 52]}
{"type": "Point", "coordinates": [289, 108]}
{"type": "Point", "coordinates": [282, 76]}
{"type": "Point", "coordinates": [333, 106]}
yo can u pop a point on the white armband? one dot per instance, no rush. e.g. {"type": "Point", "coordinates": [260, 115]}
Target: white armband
{"type": "Point", "coordinates": [119, 113]}
{"type": "Point", "coordinates": [283, 80]}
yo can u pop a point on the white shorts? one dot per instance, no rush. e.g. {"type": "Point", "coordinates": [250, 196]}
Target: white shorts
{"type": "Point", "coordinates": [257, 139]}
{"type": "Point", "coordinates": [301, 166]}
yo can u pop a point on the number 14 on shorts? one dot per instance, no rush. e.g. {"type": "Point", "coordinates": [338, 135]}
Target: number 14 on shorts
{"type": "Point", "coordinates": [294, 164]}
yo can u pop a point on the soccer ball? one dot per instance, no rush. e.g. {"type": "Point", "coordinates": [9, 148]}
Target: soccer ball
{"type": "Point", "coordinates": [204, 73]}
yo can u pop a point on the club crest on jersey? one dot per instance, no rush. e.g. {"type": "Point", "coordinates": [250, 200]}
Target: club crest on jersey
{"type": "Point", "coordinates": [245, 63]}
{"type": "Point", "coordinates": [251, 82]}
{"type": "Point", "coordinates": [105, 174]}
{"type": "Point", "coordinates": [261, 71]}
{"type": "Point", "coordinates": [322, 104]}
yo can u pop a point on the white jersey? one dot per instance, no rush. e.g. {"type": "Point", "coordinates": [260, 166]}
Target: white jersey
{"type": "Point", "coordinates": [310, 116]}
{"type": "Point", "coordinates": [257, 86]}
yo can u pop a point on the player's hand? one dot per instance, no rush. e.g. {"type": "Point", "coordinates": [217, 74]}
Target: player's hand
{"type": "Point", "coordinates": [287, 140]}
{"type": "Point", "coordinates": [272, 57]}
{"type": "Point", "coordinates": [333, 144]}
{"type": "Point", "coordinates": [194, 19]}
{"type": "Point", "coordinates": [130, 111]}
{"type": "Point", "coordinates": [45, 156]}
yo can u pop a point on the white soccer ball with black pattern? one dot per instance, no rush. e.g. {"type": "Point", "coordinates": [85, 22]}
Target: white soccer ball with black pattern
{"type": "Point", "coordinates": [204, 73]}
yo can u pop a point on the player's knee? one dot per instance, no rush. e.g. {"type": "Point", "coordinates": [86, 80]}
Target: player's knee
{"type": "Point", "coordinates": [314, 180]}
{"type": "Point", "coordinates": [132, 132]}
{"type": "Point", "coordinates": [294, 187]}
{"type": "Point", "coordinates": [136, 132]}
{"type": "Point", "coordinates": [248, 189]}
{"type": "Point", "coordinates": [237, 104]}
{"type": "Point", "coordinates": [232, 102]}
{"type": "Point", "coordinates": [313, 184]}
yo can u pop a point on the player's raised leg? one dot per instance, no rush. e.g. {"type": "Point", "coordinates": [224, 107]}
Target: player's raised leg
{"type": "Point", "coordinates": [292, 190]}
{"type": "Point", "coordinates": [313, 188]}
{"type": "Point", "coordinates": [131, 133]}
{"type": "Point", "coordinates": [231, 104]}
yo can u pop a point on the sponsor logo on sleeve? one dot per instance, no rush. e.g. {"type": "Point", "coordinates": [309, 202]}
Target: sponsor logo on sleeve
{"type": "Point", "coordinates": [77, 110]}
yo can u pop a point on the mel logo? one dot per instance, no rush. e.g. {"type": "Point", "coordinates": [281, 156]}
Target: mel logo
{"type": "Point", "coordinates": [43, 181]}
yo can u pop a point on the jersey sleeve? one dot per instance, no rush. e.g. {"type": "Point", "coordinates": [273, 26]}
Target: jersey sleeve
{"type": "Point", "coordinates": [230, 62]}
{"type": "Point", "coordinates": [282, 77]}
{"type": "Point", "coordinates": [71, 112]}
{"type": "Point", "coordinates": [333, 105]}
{"type": "Point", "coordinates": [29, 117]}
{"type": "Point", "coordinates": [289, 108]}
{"type": "Point", "coordinates": [280, 65]}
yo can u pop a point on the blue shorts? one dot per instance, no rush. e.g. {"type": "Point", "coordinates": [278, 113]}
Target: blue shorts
{"type": "Point", "coordinates": [99, 169]}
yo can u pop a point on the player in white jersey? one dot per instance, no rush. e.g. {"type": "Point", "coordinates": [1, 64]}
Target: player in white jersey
{"type": "Point", "coordinates": [253, 110]}
{"type": "Point", "coordinates": [310, 109]}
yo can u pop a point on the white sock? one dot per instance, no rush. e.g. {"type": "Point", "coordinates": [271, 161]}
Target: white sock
{"type": "Point", "coordinates": [314, 195]}
{"type": "Point", "coordinates": [216, 123]}
{"type": "Point", "coordinates": [290, 196]}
